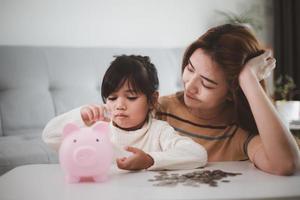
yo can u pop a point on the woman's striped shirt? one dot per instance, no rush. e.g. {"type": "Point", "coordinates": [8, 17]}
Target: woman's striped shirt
{"type": "Point", "coordinates": [223, 142]}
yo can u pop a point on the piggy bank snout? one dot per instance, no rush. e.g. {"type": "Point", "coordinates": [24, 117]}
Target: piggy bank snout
{"type": "Point", "coordinates": [85, 156]}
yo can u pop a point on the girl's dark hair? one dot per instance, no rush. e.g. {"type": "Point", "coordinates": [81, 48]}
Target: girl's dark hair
{"type": "Point", "coordinates": [230, 47]}
{"type": "Point", "coordinates": [138, 70]}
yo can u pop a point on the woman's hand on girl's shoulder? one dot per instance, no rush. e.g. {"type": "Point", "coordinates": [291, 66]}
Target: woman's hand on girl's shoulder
{"type": "Point", "coordinates": [93, 113]}
{"type": "Point", "coordinates": [260, 66]}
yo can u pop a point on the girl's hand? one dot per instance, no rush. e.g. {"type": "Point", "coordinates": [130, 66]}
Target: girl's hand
{"type": "Point", "coordinates": [93, 113]}
{"type": "Point", "coordinates": [139, 160]}
{"type": "Point", "coordinates": [260, 66]}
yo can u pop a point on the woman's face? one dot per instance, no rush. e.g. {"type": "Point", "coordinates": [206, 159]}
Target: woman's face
{"type": "Point", "coordinates": [205, 86]}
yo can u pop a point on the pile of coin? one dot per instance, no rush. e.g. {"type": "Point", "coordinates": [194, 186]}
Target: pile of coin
{"type": "Point", "coordinates": [194, 179]}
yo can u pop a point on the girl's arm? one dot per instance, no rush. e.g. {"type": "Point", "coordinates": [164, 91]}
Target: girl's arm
{"type": "Point", "coordinates": [52, 133]}
{"type": "Point", "coordinates": [274, 150]}
{"type": "Point", "coordinates": [85, 115]}
{"type": "Point", "coordinates": [178, 152]}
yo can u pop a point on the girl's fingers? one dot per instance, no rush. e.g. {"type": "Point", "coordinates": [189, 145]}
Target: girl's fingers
{"type": "Point", "coordinates": [86, 115]}
{"type": "Point", "coordinates": [91, 113]}
{"type": "Point", "coordinates": [121, 159]}
{"type": "Point", "coordinates": [123, 163]}
{"type": "Point", "coordinates": [96, 113]}
{"type": "Point", "coordinates": [106, 113]}
{"type": "Point", "coordinates": [85, 118]}
{"type": "Point", "coordinates": [132, 149]}
{"type": "Point", "coordinates": [103, 116]}
{"type": "Point", "coordinates": [120, 163]}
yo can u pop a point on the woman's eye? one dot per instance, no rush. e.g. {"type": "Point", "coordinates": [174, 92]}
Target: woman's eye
{"type": "Point", "coordinates": [189, 68]}
{"type": "Point", "coordinates": [207, 87]}
{"type": "Point", "coordinates": [112, 98]}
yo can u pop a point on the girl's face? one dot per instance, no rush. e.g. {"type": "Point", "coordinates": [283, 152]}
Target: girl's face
{"type": "Point", "coordinates": [128, 108]}
{"type": "Point", "coordinates": [205, 86]}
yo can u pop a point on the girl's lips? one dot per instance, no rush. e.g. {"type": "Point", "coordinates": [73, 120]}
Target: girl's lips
{"type": "Point", "coordinates": [121, 115]}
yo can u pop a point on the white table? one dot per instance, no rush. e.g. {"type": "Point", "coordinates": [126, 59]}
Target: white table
{"type": "Point", "coordinates": [46, 182]}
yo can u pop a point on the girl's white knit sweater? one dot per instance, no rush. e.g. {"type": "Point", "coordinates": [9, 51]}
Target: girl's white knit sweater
{"type": "Point", "coordinates": [157, 138]}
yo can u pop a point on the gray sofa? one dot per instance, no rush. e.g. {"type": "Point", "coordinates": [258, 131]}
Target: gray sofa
{"type": "Point", "coordinates": [38, 83]}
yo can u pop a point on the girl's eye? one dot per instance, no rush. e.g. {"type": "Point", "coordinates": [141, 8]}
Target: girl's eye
{"type": "Point", "coordinates": [112, 98]}
{"type": "Point", "coordinates": [132, 98]}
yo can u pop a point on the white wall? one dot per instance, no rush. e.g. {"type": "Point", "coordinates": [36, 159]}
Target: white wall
{"type": "Point", "coordinates": [122, 23]}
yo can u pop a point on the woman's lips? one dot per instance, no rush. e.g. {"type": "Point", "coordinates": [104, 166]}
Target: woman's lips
{"type": "Point", "coordinates": [191, 96]}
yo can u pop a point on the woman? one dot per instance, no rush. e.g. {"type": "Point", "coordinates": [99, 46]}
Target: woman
{"type": "Point", "coordinates": [223, 105]}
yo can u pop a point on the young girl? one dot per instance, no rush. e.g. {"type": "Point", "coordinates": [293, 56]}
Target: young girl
{"type": "Point", "coordinates": [129, 89]}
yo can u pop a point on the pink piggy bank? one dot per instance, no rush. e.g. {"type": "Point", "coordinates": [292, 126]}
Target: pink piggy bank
{"type": "Point", "coordinates": [86, 152]}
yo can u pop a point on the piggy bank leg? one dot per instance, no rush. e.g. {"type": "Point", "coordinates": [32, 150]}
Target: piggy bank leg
{"type": "Point", "coordinates": [72, 179]}
{"type": "Point", "coordinates": [100, 178]}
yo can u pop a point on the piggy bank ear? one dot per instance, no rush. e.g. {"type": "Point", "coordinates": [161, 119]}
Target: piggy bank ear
{"type": "Point", "coordinates": [102, 127]}
{"type": "Point", "coordinates": [70, 128]}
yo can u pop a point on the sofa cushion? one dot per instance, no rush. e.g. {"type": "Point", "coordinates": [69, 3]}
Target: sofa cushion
{"type": "Point", "coordinates": [25, 103]}
{"type": "Point", "coordinates": [26, 149]}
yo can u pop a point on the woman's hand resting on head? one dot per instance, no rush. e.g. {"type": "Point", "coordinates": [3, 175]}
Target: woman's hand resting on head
{"type": "Point", "coordinates": [274, 149]}
{"type": "Point", "coordinates": [260, 66]}
{"type": "Point", "coordinates": [93, 113]}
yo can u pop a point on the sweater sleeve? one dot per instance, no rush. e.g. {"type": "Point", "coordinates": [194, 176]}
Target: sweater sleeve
{"type": "Point", "coordinates": [52, 133]}
{"type": "Point", "coordinates": [178, 152]}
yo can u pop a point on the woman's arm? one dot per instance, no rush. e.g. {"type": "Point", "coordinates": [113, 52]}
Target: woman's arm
{"type": "Point", "coordinates": [274, 150]}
